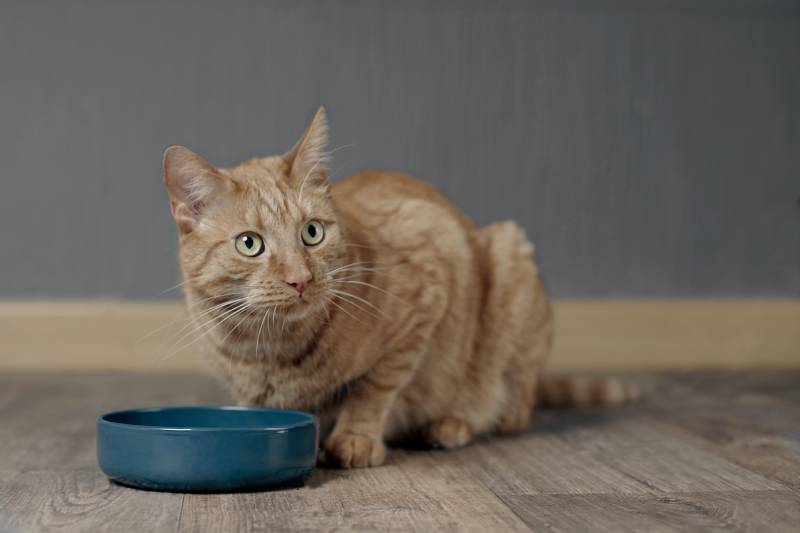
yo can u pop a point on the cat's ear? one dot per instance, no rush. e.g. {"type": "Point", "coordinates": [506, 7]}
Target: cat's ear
{"type": "Point", "coordinates": [308, 160]}
{"type": "Point", "coordinates": [192, 184]}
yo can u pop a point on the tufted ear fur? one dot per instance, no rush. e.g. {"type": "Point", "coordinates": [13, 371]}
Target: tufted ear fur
{"type": "Point", "coordinates": [192, 184]}
{"type": "Point", "coordinates": [308, 159]}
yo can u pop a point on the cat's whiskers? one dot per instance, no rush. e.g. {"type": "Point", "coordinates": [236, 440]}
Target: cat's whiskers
{"type": "Point", "coordinates": [354, 245]}
{"type": "Point", "coordinates": [357, 275]}
{"type": "Point", "coordinates": [352, 298]}
{"type": "Point", "coordinates": [379, 289]}
{"type": "Point", "coordinates": [181, 284]}
{"type": "Point", "coordinates": [260, 327]}
{"type": "Point", "coordinates": [194, 317]}
{"type": "Point", "coordinates": [342, 292]}
{"type": "Point", "coordinates": [358, 308]}
{"type": "Point", "coordinates": [272, 319]}
{"type": "Point", "coordinates": [324, 157]}
{"type": "Point", "coordinates": [216, 320]}
{"type": "Point", "coordinates": [353, 266]}
{"type": "Point", "coordinates": [156, 330]}
{"type": "Point", "coordinates": [303, 183]}
{"type": "Point", "coordinates": [237, 305]}
{"type": "Point", "coordinates": [354, 273]}
{"type": "Point", "coordinates": [329, 153]}
{"type": "Point", "coordinates": [248, 312]}
{"type": "Point", "coordinates": [171, 322]}
{"type": "Point", "coordinates": [180, 317]}
{"type": "Point", "coordinates": [283, 324]}
{"type": "Point", "coordinates": [358, 263]}
{"type": "Point", "coordinates": [358, 269]}
{"type": "Point", "coordinates": [343, 310]}
{"type": "Point", "coordinates": [205, 222]}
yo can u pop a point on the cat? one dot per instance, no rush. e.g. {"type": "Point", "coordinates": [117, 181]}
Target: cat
{"type": "Point", "coordinates": [374, 303]}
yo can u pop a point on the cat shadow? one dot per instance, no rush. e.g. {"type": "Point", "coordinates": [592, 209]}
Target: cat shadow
{"type": "Point", "coordinates": [564, 420]}
{"type": "Point", "coordinates": [548, 421]}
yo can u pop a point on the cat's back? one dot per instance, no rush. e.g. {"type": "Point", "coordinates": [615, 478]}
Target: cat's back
{"type": "Point", "coordinates": [409, 204]}
{"type": "Point", "coordinates": [411, 229]}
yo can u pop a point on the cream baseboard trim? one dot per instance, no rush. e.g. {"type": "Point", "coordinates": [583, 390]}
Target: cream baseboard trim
{"type": "Point", "coordinates": [591, 335]}
{"type": "Point", "coordinates": [677, 334]}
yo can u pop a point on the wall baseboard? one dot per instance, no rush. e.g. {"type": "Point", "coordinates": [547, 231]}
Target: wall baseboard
{"type": "Point", "coordinates": [591, 335]}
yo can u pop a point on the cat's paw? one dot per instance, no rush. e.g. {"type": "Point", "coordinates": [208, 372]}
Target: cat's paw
{"type": "Point", "coordinates": [450, 433]}
{"type": "Point", "coordinates": [348, 450]}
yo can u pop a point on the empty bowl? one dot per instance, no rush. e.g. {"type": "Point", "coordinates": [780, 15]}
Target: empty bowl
{"type": "Point", "coordinates": [197, 449]}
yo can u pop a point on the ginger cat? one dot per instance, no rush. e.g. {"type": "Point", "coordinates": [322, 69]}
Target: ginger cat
{"type": "Point", "coordinates": [374, 303]}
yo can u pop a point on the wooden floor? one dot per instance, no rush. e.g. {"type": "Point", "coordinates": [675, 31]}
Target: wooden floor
{"type": "Point", "coordinates": [703, 452]}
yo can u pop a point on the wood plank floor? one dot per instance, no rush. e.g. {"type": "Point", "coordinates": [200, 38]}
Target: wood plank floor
{"type": "Point", "coordinates": [702, 452]}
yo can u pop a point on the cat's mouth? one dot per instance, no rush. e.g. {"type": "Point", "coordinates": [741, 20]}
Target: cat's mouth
{"type": "Point", "coordinates": [298, 307]}
{"type": "Point", "coordinates": [294, 307]}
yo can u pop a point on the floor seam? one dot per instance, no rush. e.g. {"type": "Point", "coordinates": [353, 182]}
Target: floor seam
{"type": "Point", "coordinates": [644, 494]}
{"type": "Point", "coordinates": [513, 511]}
{"type": "Point", "coordinates": [499, 498]}
{"type": "Point", "coordinates": [180, 514]}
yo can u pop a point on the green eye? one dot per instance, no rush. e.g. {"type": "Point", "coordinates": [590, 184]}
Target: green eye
{"type": "Point", "coordinates": [313, 233]}
{"type": "Point", "coordinates": [249, 244]}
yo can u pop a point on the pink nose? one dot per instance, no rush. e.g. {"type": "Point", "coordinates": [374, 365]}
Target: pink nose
{"type": "Point", "coordinates": [300, 282]}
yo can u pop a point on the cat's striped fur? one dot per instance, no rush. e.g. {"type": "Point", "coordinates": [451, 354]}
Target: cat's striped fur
{"type": "Point", "coordinates": [406, 319]}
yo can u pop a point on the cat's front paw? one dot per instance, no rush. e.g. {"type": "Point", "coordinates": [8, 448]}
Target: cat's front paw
{"type": "Point", "coordinates": [348, 450]}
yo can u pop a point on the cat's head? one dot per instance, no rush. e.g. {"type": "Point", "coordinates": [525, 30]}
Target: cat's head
{"type": "Point", "coordinates": [263, 233]}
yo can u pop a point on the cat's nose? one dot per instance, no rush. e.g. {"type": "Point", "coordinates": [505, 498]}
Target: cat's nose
{"type": "Point", "coordinates": [299, 281]}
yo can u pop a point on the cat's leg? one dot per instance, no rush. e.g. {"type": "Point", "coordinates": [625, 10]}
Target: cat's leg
{"type": "Point", "coordinates": [450, 432]}
{"type": "Point", "coordinates": [357, 437]}
{"type": "Point", "coordinates": [515, 343]}
{"type": "Point", "coordinates": [521, 381]}
{"type": "Point", "coordinates": [530, 333]}
{"type": "Point", "coordinates": [513, 414]}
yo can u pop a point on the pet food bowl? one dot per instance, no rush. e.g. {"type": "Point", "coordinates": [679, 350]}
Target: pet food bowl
{"type": "Point", "coordinates": [207, 449]}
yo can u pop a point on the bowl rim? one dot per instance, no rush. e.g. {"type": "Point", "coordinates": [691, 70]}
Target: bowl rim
{"type": "Point", "coordinates": [308, 419]}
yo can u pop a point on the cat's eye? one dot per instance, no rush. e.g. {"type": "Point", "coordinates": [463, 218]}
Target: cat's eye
{"type": "Point", "coordinates": [313, 233]}
{"type": "Point", "coordinates": [249, 244]}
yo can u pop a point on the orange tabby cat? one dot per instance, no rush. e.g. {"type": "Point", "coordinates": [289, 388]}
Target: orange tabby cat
{"type": "Point", "coordinates": [374, 303]}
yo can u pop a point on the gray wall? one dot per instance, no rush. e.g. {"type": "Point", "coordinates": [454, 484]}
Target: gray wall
{"type": "Point", "coordinates": [651, 148]}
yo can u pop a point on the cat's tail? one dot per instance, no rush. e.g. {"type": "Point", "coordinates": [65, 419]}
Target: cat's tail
{"type": "Point", "coordinates": [581, 391]}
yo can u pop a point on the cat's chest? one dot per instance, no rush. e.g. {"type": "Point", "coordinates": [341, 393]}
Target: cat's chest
{"type": "Point", "coordinates": [269, 383]}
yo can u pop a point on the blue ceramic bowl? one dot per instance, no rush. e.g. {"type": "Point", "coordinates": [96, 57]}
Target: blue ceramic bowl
{"type": "Point", "coordinates": [207, 448]}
